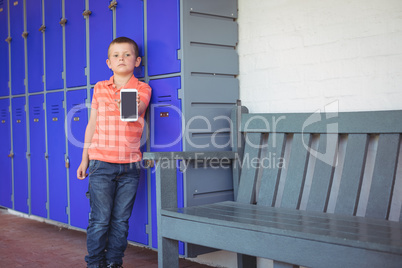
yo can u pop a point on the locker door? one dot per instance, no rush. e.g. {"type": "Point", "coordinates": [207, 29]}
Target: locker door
{"type": "Point", "coordinates": [53, 45]}
{"type": "Point", "coordinates": [38, 160]}
{"type": "Point", "coordinates": [17, 47]}
{"type": "Point", "coordinates": [75, 44]}
{"type": "Point", "coordinates": [4, 90]}
{"type": "Point", "coordinates": [100, 36]}
{"type": "Point", "coordinates": [56, 151]}
{"type": "Point", "coordinates": [130, 23]}
{"type": "Point", "coordinates": [165, 113]}
{"type": "Point", "coordinates": [163, 32]}
{"type": "Point", "coordinates": [20, 155]}
{"type": "Point", "coordinates": [5, 157]}
{"type": "Point", "coordinates": [77, 120]}
{"type": "Point", "coordinates": [34, 45]}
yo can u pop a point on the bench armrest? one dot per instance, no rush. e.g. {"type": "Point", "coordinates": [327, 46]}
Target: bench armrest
{"type": "Point", "coordinates": [166, 166]}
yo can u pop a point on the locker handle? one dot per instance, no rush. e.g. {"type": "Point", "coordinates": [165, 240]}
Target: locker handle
{"type": "Point", "coordinates": [8, 39]}
{"type": "Point", "coordinates": [11, 155]}
{"type": "Point", "coordinates": [113, 4]}
{"type": "Point", "coordinates": [24, 34]}
{"type": "Point", "coordinates": [42, 28]}
{"type": "Point", "coordinates": [63, 21]}
{"type": "Point", "coordinates": [87, 13]}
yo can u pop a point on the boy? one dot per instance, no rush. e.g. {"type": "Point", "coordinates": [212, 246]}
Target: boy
{"type": "Point", "coordinates": [112, 153]}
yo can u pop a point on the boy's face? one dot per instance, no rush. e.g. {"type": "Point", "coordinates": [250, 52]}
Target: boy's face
{"type": "Point", "coordinates": [122, 60]}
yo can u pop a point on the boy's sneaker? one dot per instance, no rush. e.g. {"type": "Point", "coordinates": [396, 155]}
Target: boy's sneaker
{"type": "Point", "coordinates": [114, 265]}
{"type": "Point", "coordinates": [102, 264]}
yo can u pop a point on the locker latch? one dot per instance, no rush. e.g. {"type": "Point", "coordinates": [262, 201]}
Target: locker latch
{"type": "Point", "coordinates": [8, 39]}
{"type": "Point", "coordinates": [113, 4]}
{"type": "Point", "coordinates": [149, 163]}
{"type": "Point", "coordinates": [67, 163]}
{"type": "Point", "coordinates": [42, 28]}
{"type": "Point", "coordinates": [11, 155]}
{"type": "Point", "coordinates": [87, 13]}
{"type": "Point", "coordinates": [63, 21]}
{"type": "Point", "coordinates": [24, 34]}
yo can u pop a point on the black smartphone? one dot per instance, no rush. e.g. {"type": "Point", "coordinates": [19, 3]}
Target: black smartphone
{"type": "Point", "coordinates": [128, 105]}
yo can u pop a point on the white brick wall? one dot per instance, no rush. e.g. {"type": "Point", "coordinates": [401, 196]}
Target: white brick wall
{"type": "Point", "coordinates": [302, 55]}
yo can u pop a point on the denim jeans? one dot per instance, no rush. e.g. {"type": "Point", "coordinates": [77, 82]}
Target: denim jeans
{"type": "Point", "coordinates": [112, 189]}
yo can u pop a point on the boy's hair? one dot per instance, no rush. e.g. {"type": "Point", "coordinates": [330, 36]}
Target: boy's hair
{"type": "Point", "coordinates": [122, 39]}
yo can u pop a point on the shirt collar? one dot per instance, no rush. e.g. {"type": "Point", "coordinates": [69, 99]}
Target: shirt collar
{"type": "Point", "coordinates": [132, 83]}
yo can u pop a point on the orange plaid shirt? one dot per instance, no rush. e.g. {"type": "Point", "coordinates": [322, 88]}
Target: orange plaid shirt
{"type": "Point", "coordinates": [116, 141]}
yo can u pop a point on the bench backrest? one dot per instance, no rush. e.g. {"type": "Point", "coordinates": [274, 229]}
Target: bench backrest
{"type": "Point", "coordinates": [346, 163]}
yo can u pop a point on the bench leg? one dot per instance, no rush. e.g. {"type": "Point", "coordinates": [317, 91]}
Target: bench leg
{"type": "Point", "coordinates": [278, 264]}
{"type": "Point", "coordinates": [168, 253]}
{"type": "Point", "coordinates": [246, 261]}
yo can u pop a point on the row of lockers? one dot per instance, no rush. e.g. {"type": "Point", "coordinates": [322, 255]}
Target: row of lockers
{"type": "Point", "coordinates": [68, 40]}
{"type": "Point", "coordinates": [41, 146]}
{"type": "Point", "coordinates": [55, 50]}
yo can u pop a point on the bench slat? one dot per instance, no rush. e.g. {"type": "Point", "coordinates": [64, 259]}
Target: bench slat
{"type": "Point", "coordinates": [248, 176]}
{"type": "Point", "coordinates": [296, 172]}
{"type": "Point", "coordinates": [382, 185]}
{"type": "Point", "coordinates": [352, 174]}
{"type": "Point", "coordinates": [271, 175]}
{"type": "Point", "coordinates": [323, 173]}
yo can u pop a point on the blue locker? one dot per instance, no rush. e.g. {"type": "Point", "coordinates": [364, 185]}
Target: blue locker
{"type": "Point", "coordinates": [6, 190]}
{"type": "Point", "coordinates": [34, 46]}
{"type": "Point", "coordinates": [77, 120]}
{"type": "Point", "coordinates": [17, 48]}
{"type": "Point", "coordinates": [163, 33]}
{"type": "Point", "coordinates": [56, 152]}
{"type": "Point", "coordinates": [75, 44]}
{"type": "Point", "coordinates": [38, 150]}
{"type": "Point", "coordinates": [100, 36]}
{"type": "Point", "coordinates": [130, 23]}
{"type": "Point", "coordinates": [20, 155]}
{"type": "Point", "coordinates": [53, 45]}
{"type": "Point", "coordinates": [165, 113]}
{"type": "Point", "coordinates": [4, 90]}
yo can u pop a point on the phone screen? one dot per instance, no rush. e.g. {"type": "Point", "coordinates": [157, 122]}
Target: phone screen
{"type": "Point", "coordinates": [128, 105]}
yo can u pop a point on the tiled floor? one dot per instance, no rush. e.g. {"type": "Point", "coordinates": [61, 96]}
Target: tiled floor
{"type": "Point", "coordinates": [30, 243]}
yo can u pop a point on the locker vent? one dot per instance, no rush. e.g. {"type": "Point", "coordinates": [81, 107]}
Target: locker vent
{"type": "Point", "coordinates": [3, 113]}
{"type": "Point", "coordinates": [55, 109]}
{"type": "Point", "coordinates": [19, 112]}
{"type": "Point", "coordinates": [166, 100]}
{"type": "Point", "coordinates": [36, 110]}
{"type": "Point", "coordinates": [76, 109]}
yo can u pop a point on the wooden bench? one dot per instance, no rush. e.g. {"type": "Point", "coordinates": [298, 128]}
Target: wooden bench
{"type": "Point", "coordinates": [316, 190]}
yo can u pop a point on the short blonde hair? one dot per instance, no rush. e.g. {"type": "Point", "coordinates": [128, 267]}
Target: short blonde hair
{"type": "Point", "coordinates": [123, 39]}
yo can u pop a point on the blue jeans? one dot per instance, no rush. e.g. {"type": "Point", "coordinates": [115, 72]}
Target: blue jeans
{"type": "Point", "coordinates": [112, 189]}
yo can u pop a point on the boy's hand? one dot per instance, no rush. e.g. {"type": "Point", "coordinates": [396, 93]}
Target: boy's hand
{"type": "Point", "coordinates": [81, 171]}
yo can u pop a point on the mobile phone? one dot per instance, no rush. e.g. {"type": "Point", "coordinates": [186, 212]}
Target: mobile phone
{"type": "Point", "coordinates": [128, 104]}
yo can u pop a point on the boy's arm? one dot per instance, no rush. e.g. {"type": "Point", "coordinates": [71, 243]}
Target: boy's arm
{"type": "Point", "coordinates": [143, 98]}
{"type": "Point", "coordinates": [89, 132]}
{"type": "Point", "coordinates": [142, 107]}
